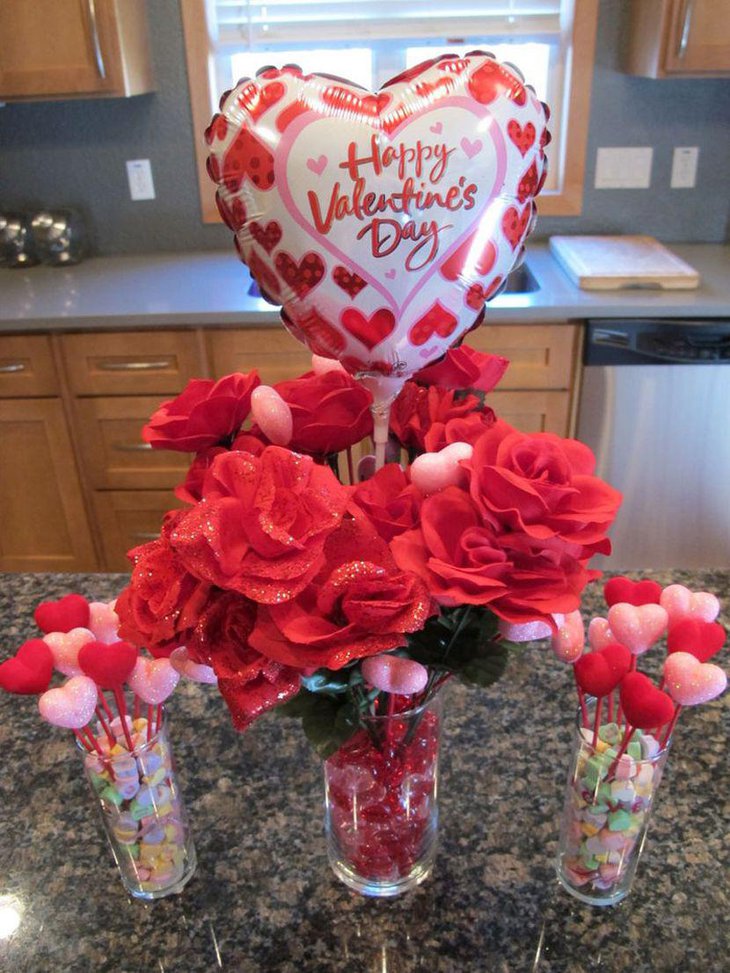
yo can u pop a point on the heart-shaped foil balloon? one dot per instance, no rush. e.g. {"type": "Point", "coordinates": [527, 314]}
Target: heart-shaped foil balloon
{"type": "Point", "coordinates": [381, 222]}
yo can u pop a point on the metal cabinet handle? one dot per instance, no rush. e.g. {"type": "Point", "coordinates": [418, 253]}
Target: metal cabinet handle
{"type": "Point", "coordinates": [686, 25]}
{"type": "Point", "coordinates": [132, 366]}
{"type": "Point", "coordinates": [132, 447]}
{"type": "Point", "coordinates": [142, 535]}
{"type": "Point", "coordinates": [98, 56]}
{"type": "Point", "coordinates": [16, 366]}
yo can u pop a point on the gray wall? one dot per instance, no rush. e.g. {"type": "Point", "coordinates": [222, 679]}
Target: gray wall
{"type": "Point", "coordinates": [73, 153]}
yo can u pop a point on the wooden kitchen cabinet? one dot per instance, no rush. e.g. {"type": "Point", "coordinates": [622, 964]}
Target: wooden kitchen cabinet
{"type": "Point", "coordinates": [273, 352]}
{"type": "Point", "coordinates": [53, 49]}
{"type": "Point", "coordinates": [676, 38]}
{"type": "Point", "coordinates": [128, 518]}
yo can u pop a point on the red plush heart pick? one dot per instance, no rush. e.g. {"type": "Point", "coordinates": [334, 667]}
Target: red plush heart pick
{"type": "Point", "coordinates": [598, 673]}
{"type": "Point", "coordinates": [71, 611]}
{"type": "Point", "coordinates": [623, 590]}
{"type": "Point", "coordinates": [700, 639]}
{"type": "Point", "coordinates": [29, 671]}
{"type": "Point", "coordinates": [645, 706]}
{"type": "Point", "coordinates": [108, 665]}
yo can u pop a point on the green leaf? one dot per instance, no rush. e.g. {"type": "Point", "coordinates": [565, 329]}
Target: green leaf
{"type": "Point", "coordinates": [486, 666]}
{"type": "Point", "coordinates": [327, 722]}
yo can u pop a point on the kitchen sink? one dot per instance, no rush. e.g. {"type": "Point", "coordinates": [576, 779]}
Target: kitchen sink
{"type": "Point", "coordinates": [520, 281]}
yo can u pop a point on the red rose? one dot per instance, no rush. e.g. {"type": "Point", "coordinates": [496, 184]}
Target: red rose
{"type": "Point", "coordinates": [190, 490]}
{"type": "Point", "coordinates": [261, 524]}
{"type": "Point", "coordinates": [206, 414]}
{"type": "Point", "coordinates": [389, 501]}
{"type": "Point", "coordinates": [542, 486]}
{"type": "Point", "coordinates": [359, 604]}
{"type": "Point", "coordinates": [462, 429]}
{"type": "Point", "coordinates": [416, 410]}
{"type": "Point", "coordinates": [162, 602]}
{"type": "Point", "coordinates": [330, 412]}
{"type": "Point", "coordinates": [249, 683]}
{"type": "Point", "coordinates": [464, 368]}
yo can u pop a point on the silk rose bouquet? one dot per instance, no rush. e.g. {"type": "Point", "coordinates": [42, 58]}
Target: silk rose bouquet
{"type": "Point", "coordinates": [338, 600]}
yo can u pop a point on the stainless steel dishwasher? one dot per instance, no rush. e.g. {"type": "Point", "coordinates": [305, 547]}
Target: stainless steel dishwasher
{"type": "Point", "coordinates": [655, 409]}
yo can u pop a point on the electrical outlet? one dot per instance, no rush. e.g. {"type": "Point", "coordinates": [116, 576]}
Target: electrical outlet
{"type": "Point", "coordinates": [684, 167]}
{"type": "Point", "coordinates": [624, 168]}
{"type": "Point", "coordinates": [139, 174]}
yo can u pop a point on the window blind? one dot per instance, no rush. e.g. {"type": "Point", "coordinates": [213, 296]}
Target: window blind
{"type": "Point", "coordinates": [251, 25]}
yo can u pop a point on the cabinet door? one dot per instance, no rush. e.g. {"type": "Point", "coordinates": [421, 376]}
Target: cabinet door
{"type": "Point", "coordinates": [26, 367]}
{"type": "Point", "coordinates": [128, 518]}
{"type": "Point", "coordinates": [43, 524]}
{"type": "Point", "coordinates": [699, 37]}
{"type": "Point", "coordinates": [71, 48]}
{"type": "Point", "coordinates": [538, 411]}
{"type": "Point", "coordinates": [540, 356]}
{"type": "Point", "coordinates": [271, 351]}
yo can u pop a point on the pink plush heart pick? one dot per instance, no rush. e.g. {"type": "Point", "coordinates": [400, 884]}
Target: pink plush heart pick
{"type": "Point", "coordinates": [104, 621]}
{"type": "Point", "coordinates": [568, 642]}
{"type": "Point", "coordinates": [272, 415]}
{"type": "Point", "coordinates": [690, 681]}
{"type": "Point", "coordinates": [600, 634]}
{"type": "Point", "coordinates": [637, 626]}
{"type": "Point", "coordinates": [195, 671]}
{"type": "Point", "coordinates": [391, 674]}
{"type": "Point", "coordinates": [65, 648]}
{"type": "Point", "coordinates": [432, 472]}
{"type": "Point", "coordinates": [71, 705]}
{"type": "Point", "coordinates": [680, 602]}
{"type": "Point", "coordinates": [153, 680]}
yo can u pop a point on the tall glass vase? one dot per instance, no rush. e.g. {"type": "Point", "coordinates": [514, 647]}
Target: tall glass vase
{"type": "Point", "coordinates": [381, 802]}
{"type": "Point", "coordinates": [142, 810]}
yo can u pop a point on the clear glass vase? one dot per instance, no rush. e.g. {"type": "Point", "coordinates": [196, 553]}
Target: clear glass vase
{"type": "Point", "coordinates": [144, 817]}
{"type": "Point", "coordinates": [608, 805]}
{"type": "Point", "coordinates": [381, 801]}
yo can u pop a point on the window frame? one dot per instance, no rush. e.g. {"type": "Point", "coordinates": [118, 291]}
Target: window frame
{"type": "Point", "coordinates": [580, 40]}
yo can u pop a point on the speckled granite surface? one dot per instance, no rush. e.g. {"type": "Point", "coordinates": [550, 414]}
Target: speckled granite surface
{"type": "Point", "coordinates": [263, 898]}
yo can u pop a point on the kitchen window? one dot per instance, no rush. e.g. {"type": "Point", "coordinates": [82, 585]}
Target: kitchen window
{"type": "Point", "coordinates": [369, 41]}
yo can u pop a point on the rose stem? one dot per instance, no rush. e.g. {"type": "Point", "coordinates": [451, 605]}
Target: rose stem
{"type": "Point", "coordinates": [149, 722]}
{"type": "Point", "coordinates": [621, 750]}
{"type": "Point", "coordinates": [597, 721]}
{"type": "Point", "coordinates": [122, 707]}
{"type": "Point", "coordinates": [92, 739]}
{"type": "Point", "coordinates": [84, 743]}
{"type": "Point", "coordinates": [135, 712]}
{"type": "Point", "coordinates": [105, 726]}
{"type": "Point", "coordinates": [610, 707]}
{"type": "Point", "coordinates": [350, 466]}
{"type": "Point", "coordinates": [672, 723]}
{"type": "Point", "coordinates": [102, 700]}
{"type": "Point", "coordinates": [582, 701]}
{"type": "Point", "coordinates": [389, 723]}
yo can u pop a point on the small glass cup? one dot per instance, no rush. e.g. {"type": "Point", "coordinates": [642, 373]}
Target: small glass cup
{"type": "Point", "coordinates": [144, 817]}
{"type": "Point", "coordinates": [381, 802]}
{"type": "Point", "coordinates": [607, 809]}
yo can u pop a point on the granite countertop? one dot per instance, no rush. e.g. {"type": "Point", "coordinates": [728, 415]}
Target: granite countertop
{"type": "Point", "coordinates": [211, 288]}
{"type": "Point", "coordinates": [263, 897]}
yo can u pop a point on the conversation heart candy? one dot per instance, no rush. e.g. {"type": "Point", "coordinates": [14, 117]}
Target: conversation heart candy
{"type": "Point", "coordinates": [391, 674]}
{"type": "Point", "coordinates": [29, 671]}
{"type": "Point", "coordinates": [680, 602]}
{"type": "Point", "coordinates": [637, 627]}
{"type": "Point", "coordinates": [65, 648]}
{"type": "Point", "coordinates": [71, 705]}
{"type": "Point", "coordinates": [690, 682]}
{"type": "Point", "coordinates": [153, 680]}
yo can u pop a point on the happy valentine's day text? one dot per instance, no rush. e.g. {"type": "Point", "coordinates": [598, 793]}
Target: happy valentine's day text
{"type": "Point", "coordinates": [426, 164]}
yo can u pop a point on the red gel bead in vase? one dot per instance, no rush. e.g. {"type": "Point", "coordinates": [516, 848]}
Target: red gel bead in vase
{"type": "Point", "coordinates": [381, 802]}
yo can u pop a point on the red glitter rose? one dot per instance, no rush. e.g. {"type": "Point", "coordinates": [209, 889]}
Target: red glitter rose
{"type": "Point", "coordinates": [261, 525]}
{"type": "Point", "coordinates": [249, 683]}
{"type": "Point", "coordinates": [389, 501]}
{"type": "Point", "coordinates": [330, 412]}
{"type": "Point", "coordinates": [462, 429]}
{"type": "Point", "coordinates": [417, 409]}
{"type": "Point", "coordinates": [464, 368]}
{"type": "Point", "coordinates": [162, 602]}
{"type": "Point", "coordinates": [543, 486]}
{"type": "Point", "coordinates": [359, 604]}
{"type": "Point", "coordinates": [206, 414]}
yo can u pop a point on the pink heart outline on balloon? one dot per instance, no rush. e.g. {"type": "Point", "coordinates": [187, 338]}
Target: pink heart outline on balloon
{"type": "Point", "coordinates": [318, 165]}
{"type": "Point", "coordinates": [281, 159]}
{"type": "Point", "coordinates": [471, 148]}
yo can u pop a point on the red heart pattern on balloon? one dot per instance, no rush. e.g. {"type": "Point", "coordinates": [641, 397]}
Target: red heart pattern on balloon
{"type": "Point", "coordinates": [643, 704]}
{"type": "Point", "coordinates": [369, 330]}
{"type": "Point", "coordinates": [71, 611]}
{"type": "Point", "coordinates": [598, 673]}
{"type": "Point", "coordinates": [623, 590]}
{"type": "Point", "coordinates": [29, 671]}
{"type": "Point", "coordinates": [108, 664]}
{"type": "Point", "coordinates": [412, 201]}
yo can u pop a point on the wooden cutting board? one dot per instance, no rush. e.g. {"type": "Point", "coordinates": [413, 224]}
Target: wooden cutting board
{"type": "Point", "coordinates": [602, 263]}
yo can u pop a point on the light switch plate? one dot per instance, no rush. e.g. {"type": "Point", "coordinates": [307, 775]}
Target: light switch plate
{"type": "Point", "coordinates": [139, 174]}
{"type": "Point", "coordinates": [624, 168]}
{"type": "Point", "coordinates": [684, 167]}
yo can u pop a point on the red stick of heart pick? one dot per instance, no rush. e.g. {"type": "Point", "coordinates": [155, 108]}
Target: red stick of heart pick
{"type": "Point", "coordinates": [122, 708]}
{"type": "Point", "coordinates": [105, 726]}
{"type": "Point", "coordinates": [670, 728]}
{"type": "Point", "coordinates": [597, 721]}
{"type": "Point", "coordinates": [621, 750]}
{"type": "Point", "coordinates": [581, 701]}
{"type": "Point", "coordinates": [84, 743]}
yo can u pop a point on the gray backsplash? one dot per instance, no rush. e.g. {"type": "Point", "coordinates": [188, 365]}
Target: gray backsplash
{"type": "Point", "coordinates": [73, 153]}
